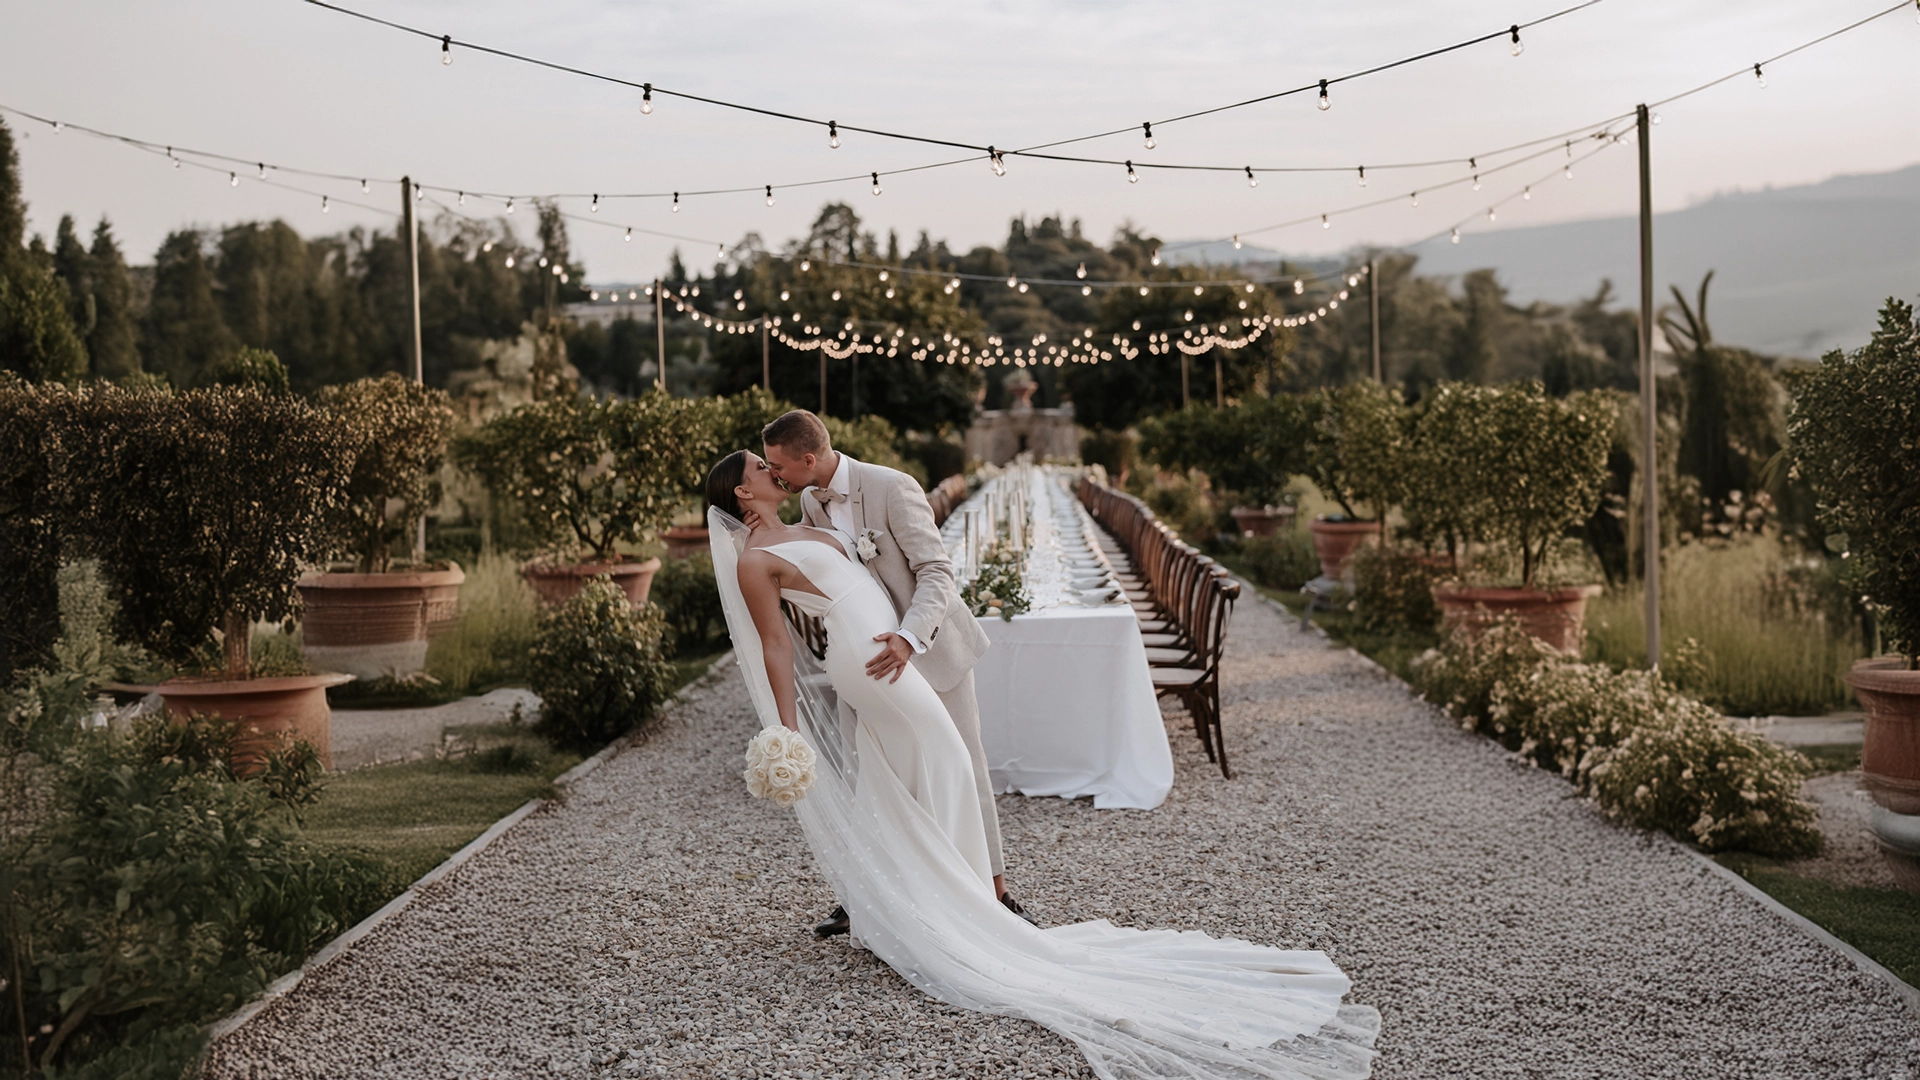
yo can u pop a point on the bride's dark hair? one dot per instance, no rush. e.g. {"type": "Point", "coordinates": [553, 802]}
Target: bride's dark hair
{"type": "Point", "coordinates": [726, 475]}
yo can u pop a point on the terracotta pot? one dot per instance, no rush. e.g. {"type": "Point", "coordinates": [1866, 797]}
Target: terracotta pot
{"type": "Point", "coordinates": [1262, 522]}
{"type": "Point", "coordinates": [1335, 541]}
{"type": "Point", "coordinates": [685, 541]}
{"type": "Point", "coordinates": [556, 585]}
{"type": "Point", "coordinates": [1890, 751]}
{"type": "Point", "coordinates": [375, 625]}
{"type": "Point", "coordinates": [270, 711]}
{"type": "Point", "coordinates": [1555, 616]}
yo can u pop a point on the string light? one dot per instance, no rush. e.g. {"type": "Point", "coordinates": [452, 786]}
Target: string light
{"type": "Point", "coordinates": [486, 247]}
{"type": "Point", "coordinates": [833, 135]}
{"type": "Point", "coordinates": [509, 206]}
{"type": "Point", "coordinates": [233, 180]}
{"type": "Point", "coordinates": [595, 208]}
{"type": "Point", "coordinates": [1148, 128]}
{"type": "Point", "coordinates": [1156, 257]}
{"type": "Point", "coordinates": [1324, 103]}
{"type": "Point", "coordinates": [1490, 214]}
{"type": "Point", "coordinates": [876, 183]}
{"type": "Point", "coordinates": [1012, 282]}
{"type": "Point", "coordinates": [1252, 180]}
{"type": "Point", "coordinates": [1527, 194]}
{"type": "Point", "coordinates": [993, 158]}
{"type": "Point", "coordinates": [1363, 176]}
{"type": "Point", "coordinates": [1416, 198]}
{"type": "Point", "coordinates": [1456, 236]}
{"type": "Point", "coordinates": [446, 49]}
{"type": "Point", "coordinates": [1759, 77]}
{"type": "Point", "coordinates": [629, 236]}
{"type": "Point", "coordinates": [1132, 177]}
{"type": "Point", "coordinates": [769, 194]}
{"type": "Point", "coordinates": [1299, 286]}
{"type": "Point", "coordinates": [646, 98]}
{"type": "Point", "coordinates": [1517, 47]}
{"type": "Point", "coordinates": [676, 202]}
{"type": "Point", "coordinates": [1324, 223]}
{"type": "Point", "coordinates": [463, 198]}
{"type": "Point", "coordinates": [364, 188]}
{"type": "Point", "coordinates": [509, 262]}
{"type": "Point", "coordinates": [1081, 272]}
{"type": "Point", "coordinates": [1476, 181]}
{"type": "Point", "coordinates": [324, 208]}
{"type": "Point", "coordinates": [805, 265]}
{"type": "Point", "coordinates": [1236, 241]}
{"type": "Point", "coordinates": [263, 170]}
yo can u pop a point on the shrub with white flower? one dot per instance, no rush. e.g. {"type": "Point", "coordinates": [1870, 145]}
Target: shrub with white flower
{"type": "Point", "coordinates": [1646, 753]}
{"type": "Point", "coordinates": [780, 766]}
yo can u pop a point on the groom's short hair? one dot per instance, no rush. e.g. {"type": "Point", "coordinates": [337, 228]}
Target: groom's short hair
{"type": "Point", "coordinates": [798, 432]}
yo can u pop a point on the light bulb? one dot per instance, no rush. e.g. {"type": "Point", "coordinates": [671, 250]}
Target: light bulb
{"type": "Point", "coordinates": [876, 183]}
{"type": "Point", "coordinates": [629, 236]}
{"type": "Point", "coordinates": [1476, 181]}
{"type": "Point", "coordinates": [1456, 236]}
{"type": "Point", "coordinates": [1324, 223]}
{"type": "Point", "coordinates": [419, 193]}
{"type": "Point", "coordinates": [1143, 290]}
{"type": "Point", "coordinates": [1759, 76]}
{"type": "Point", "coordinates": [676, 202]}
{"type": "Point", "coordinates": [1012, 282]}
{"type": "Point", "coordinates": [463, 199]}
{"type": "Point", "coordinates": [1132, 177]}
{"type": "Point", "coordinates": [833, 135]}
{"type": "Point", "coordinates": [1363, 176]}
{"type": "Point", "coordinates": [509, 206]}
{"type": "Point", "coordinates": [1236, 241]}
{"type": "Point", "coordinates": [836, 294]}
{"type": "Point", "coordinates": [1353, 281]}
{"type": "Point", "coordinates": [719, 252]}
{"type": "Point", "coordinates": [740, 305]}
{"type": "Point", "coordinates": [1299, 286]}
{"type": "Point", "coordinates": [769, 194]}
{"type": "Point", "coordinates": [233, 180]}
{"type": "Point", "coordinates": [543, 260]}
{"type": "Point", "coordinates": [1416, 198]}
{"type": "Point", "coordinates": [323, 204]}
{"type": "Point", "coordinates": [1081, 272]}
{"type": "Point", "coordinates": [1249, 286]}
{"type": "Point", "coordinates": [1569, 172]}
{"type": "Point", "coordinates": [1656, 116]}
{"type": "Point", "coordinates": [59, 126]}
{"type": "Point", "coordinates": [1156, 257]}
{"type": "Point", "coordinates": [509, 262]}
{"type": "Point", "coordinates": [646, 98]}
{"type": "Point", "coordinates": [1252, 180]}
{"type": "Point", "coordinates": [805, 265]}
{"type": "Point", "coordinates": [446, 49]}
{"type": "Point", "coordinates": [1243, 305]}
{"type": "Point", "coordinates": [363, 187]}
{"type": "Point", "coordinates": [883, 275]}
{"type": "Point", "coordinates": [993, 159]}
{"type": "Point", "coordinates": [595, 208]}
{"type": "Point", "coordinates": [1136, 324]}
{"type": "Point", "coordinates": [1324, 103]}
{"type": "Point", "coordinates": [1198, 291]}
{"type": "Point", "coordinates": [1023, 286]}
{"type": "Point", "coordinates": [955, 283]}
{"type": "Point", "coordinates": [1148, 128]}
{"type": "Point", "coordinates": [1343, 294]}
{"type": "Point", "coordinates": [784, 294]}
{"type": "Point", "coordinates": [594, 295]}
{"type": "Point", "coordinates": [889, 293]}
{"type": "Point", "coordinates": [263, 170]}
{"type": "Point", "coordinates": [1527, 193]}
{"type": "Point", "coordinates": [488, 246]}
{"type": "Point", "coordinates": [1189, 315]}
{"type": "Point", "coordinates": [1086, 290]}
{"type": "Point", "coordinates": [1517, 47]}
{"type": "Point", "coordinates": [634, 294]}
{"type": "Point", "coordinates": [1490, 214]}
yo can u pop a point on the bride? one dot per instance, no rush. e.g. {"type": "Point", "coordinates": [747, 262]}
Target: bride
{"type": "Point", "coordinates": [894, 824]}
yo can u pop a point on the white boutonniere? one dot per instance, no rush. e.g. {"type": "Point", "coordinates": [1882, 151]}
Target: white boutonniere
{"type": "Point", "coordinates": [863, 545]}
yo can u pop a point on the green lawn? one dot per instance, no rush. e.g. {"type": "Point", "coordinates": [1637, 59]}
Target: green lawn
{"type": "Point", "coordinates": [414, 814]}
{"type": "Point", "coordinates": [1883, 923]}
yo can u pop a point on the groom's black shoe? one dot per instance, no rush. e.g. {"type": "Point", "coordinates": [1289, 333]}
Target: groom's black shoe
{"type": "Point", "coordinates": [835, 924]}
{"type": "Point", "coordinates": [1007, 901]}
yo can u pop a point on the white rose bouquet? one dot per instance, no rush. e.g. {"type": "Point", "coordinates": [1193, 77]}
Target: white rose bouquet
{"type": "Point", "coordinates": [780, 766]}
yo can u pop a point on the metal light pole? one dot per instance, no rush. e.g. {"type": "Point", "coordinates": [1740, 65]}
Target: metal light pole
{"type": "Point", "coordinates": [1186, 398]}
{"type": "Point", "coordinates": [823, 382]}
{"type": "Point", "coordinates": [412, 231]}
{"type": "Point", "coordinates": [766, 357]}
{"type": "Point", "coordinates": [1650, 462]}
{"type": "Point", "coordinates": [660, 333]}
{"type": "Point", "coordinates": [1373, 302]}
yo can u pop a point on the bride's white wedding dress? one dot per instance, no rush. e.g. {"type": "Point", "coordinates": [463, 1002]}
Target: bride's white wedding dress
{"type": "Point", "coordinates": [893, 825]}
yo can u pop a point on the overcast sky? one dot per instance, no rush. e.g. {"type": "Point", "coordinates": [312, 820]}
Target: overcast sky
{"type": "Point", "coordinates": [285, 82]}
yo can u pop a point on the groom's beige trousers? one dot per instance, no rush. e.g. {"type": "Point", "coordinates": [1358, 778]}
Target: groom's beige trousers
{"type": "Point", "coordinates": [965, 710]}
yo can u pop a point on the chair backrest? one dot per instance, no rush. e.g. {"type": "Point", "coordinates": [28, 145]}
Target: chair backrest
{"type": "Point", "coordinates": [812, 632]}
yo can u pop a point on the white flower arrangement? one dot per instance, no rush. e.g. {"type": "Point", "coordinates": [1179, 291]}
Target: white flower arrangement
{"type": "Point", "coordinates": [780, 766]}
{"type": "Point", "coordinates": [864, 546]}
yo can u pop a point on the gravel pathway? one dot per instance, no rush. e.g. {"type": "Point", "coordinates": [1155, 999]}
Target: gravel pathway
{"type": "Point", "coordinates": [655, 925]}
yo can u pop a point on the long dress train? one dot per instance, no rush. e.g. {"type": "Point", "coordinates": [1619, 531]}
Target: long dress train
{"type": "Point", "coordinates": [892, 822]}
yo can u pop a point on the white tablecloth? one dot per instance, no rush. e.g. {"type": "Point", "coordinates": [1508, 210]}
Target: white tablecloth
{"type": "Point", "coordinates": [1066, 702]}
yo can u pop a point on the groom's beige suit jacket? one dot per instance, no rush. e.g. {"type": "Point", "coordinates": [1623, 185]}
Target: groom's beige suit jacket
{"type": "Point", "coordinates": [912, 565]}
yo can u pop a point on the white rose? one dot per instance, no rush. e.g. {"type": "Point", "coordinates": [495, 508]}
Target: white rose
{"type": "Point", "coordinates": [785, 797]}
{"type": "Point", "coordinates": [865, 546]}
{"type": "Point", "coordinates": [781, 774]}
{"type": "Point", "coordinates": [757, 784]}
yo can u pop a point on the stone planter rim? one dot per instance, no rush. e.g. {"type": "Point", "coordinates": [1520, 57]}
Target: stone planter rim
{"type": "Point", "coordinates": [626, 565]}
{"type": "Point", "coordinates": [392, 579]}
{"type": "Point", "coordinates": [1326, 524]}
{"type": "Point", "coordinates": [1886, 674]}
{"type": "Point", "coordinates": [1514, 594]}
{"type": "Point", "coordinates": [219, 686]}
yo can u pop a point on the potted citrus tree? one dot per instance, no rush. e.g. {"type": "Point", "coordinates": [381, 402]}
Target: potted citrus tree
{"type": "Point", "coordinates": [1354, 453]}
{"type": "Point", "coordinates": [592, 475]}
{"type": "Point", "coordinates": [1249, 450]}
{"type": "Point", "coordinates": [1514, 469]}
{"type": "Point", "coordinates": [1855, 437]}
{"type": "Point", "coordinates": [372, 619]}
{"type": "Point", "coordinates": [202, 508]}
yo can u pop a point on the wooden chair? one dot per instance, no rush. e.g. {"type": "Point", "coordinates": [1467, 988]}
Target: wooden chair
{"type": "Point", "coordinates": [1197, 683]}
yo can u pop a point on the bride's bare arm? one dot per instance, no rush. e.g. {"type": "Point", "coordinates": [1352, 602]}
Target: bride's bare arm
{"type": "Point", "coordinates": [762, 593]}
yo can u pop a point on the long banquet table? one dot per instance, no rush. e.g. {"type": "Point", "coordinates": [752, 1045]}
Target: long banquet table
{"type": "Point", "coordinates": [1066, 702]}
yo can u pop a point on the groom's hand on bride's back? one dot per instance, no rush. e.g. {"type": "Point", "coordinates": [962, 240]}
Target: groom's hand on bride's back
{"type": "Point", "coordinates": [892, 658]}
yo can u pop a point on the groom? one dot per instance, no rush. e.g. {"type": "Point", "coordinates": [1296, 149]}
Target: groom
{"type": "Point", "coordinates": [891, 523]}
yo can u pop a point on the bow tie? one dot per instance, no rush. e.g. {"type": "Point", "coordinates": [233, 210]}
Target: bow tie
{"type": "Point", "coordinates": [828, 496]}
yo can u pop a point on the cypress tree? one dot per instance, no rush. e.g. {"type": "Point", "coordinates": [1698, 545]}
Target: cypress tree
{"type": "Point", "coordinates": [113, 343]}
{"type": "Point", "coordinates": [184, 330]}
